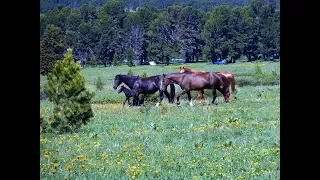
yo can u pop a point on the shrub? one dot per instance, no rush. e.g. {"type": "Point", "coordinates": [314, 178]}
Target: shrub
{"type": "Point", "coordinates": [144, 74]}
{"type": "Point", "coordinates": [130, 57]}
{"type": "Point", "coordinates": [99, 84]}
{"type": "Point", "coordinates": [130, 72]}
{"type": "Point", "coordinates": [116, 60]}
{"type": "Point", "coordinates": [66, 89]}
{"type": "Point", "coordinates": [258, 73]}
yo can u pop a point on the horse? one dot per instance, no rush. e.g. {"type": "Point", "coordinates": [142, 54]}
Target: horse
{"type": "Point", "coordinates": [197, 81]}
{"type": "Point", "coordinates": [148, 85]}
{"type": "Point", "coordinates": [227, 74]}
{"type": "Point", "coordinates": [129, 93]}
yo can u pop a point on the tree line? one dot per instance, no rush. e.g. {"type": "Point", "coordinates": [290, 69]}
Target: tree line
{"type": "Point", "coordinates": [111, 33]}
{"type": "Point", "coordinates": [204, 5]}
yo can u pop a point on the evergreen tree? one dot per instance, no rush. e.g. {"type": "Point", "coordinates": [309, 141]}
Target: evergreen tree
{"type": "Point", "coordinates": [115, 61]}
{"type": "Point", "coordinates": [130, 57]}
{"type": "Point", "coordinates": [51, 49]}
{"type": "Point", "coordinates": [66, 89]}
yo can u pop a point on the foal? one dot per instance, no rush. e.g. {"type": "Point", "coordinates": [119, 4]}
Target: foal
{"type": "Point", "coordinates": [129, 93]}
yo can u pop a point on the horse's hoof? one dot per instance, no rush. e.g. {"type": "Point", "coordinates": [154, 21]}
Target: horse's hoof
{"type": "Point", "coordinates": [157, 104]}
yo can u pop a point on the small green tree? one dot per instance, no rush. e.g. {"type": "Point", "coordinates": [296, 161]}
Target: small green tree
{"type": "Point", "coordinates": [144, 74]}
{"type": "Point", "coordinates": [66, 89]}
{"type": "Point", "coordinates": [99, 84]}
{"type": "Point", "coordinates": [130, 56]}
{"type": "Point", "coordinates": [130, 72]}
{"type": "Point", "coordinates": [258, 73]}
{"type": "Point", "coordinates": [115, 61]}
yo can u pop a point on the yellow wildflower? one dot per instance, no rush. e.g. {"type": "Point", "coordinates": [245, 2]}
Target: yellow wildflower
{"type": "Point", "coordinates": [69, 167]}
{"type": "Point", "coordinates": [55, 165]}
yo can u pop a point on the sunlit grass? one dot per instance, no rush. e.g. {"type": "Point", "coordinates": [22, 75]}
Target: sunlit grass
{"type": "Point", "coordinates": [236, 140]}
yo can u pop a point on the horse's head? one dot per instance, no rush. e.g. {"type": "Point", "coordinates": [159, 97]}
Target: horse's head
{"type": "Point", "coordinates": [164, 82]}
{"type": "Point", "coordinates": [121, 89]}
{"type": "Point", "coordinates": [184, 69]}
{"type": "Point", "coordinates": [117, 81]}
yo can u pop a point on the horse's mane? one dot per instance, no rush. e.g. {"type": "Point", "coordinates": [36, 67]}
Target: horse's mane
{"type": "Point", "coordinates": [190, 70]}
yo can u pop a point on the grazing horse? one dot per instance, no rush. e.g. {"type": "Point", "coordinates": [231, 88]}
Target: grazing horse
{"type": "Point", "coordinates": [129, 93]}
{"type": "Point", "coordinates": [148, 85]}
{"type": "Point", "coordinates": [227, 74]}
{"type": "Point", "coordinates": [196, 81]}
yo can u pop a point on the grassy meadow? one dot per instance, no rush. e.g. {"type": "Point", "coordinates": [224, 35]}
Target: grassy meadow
{"type": "Point", "coordinates": [235, 140]}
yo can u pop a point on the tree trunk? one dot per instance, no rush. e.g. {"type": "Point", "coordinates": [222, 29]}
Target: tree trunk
{"type": "Point", "coordinates": [249, 57]}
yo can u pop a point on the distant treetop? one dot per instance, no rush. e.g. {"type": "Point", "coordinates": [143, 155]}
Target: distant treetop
{"type": "Point", "coordinates": [204, 5]}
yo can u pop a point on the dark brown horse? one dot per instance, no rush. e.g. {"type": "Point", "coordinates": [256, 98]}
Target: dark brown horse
{"type": "Point", "coordinates": [148, 85]}
{"type": "Point", "coordinates": [197, 81]}
{"type": "Point", "coordinates": [227, 74]}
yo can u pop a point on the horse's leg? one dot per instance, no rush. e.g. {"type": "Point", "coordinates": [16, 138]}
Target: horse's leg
{"type": "Point", "coordinates": [227, 95]}
{"type": "Point", "coordinates": [199, 96]}
{"type": "Point", "coordinates": [214, 95]}
{"type": "Point", "coordinates": [172, 92]}
{"type": "Point", "coordinates": [180, 94]}
{"type": "Point", "coordinates": [167, 95]}
{"type": "Point", "coordinates": [189, 97]}
{"type": "Point", "coordinates": [203, 96]}
{"type": "Point", "coordinates": [137, 97]}
{"type": "Point", "coordinates": [129, 101]}
{"type": "Point", "coordinates": [161, 95]}
{"type": "Point", "coordinates": [135, 101]}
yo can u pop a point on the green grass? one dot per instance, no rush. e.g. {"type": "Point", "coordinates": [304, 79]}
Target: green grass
{"type": "Point", "coordinates": [236, 140]}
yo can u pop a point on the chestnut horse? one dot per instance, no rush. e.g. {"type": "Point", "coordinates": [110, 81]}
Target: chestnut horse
{"type": "Point", "coordinates": [197, 81]}
{"type": "Point", "coordinates": [227, 74]}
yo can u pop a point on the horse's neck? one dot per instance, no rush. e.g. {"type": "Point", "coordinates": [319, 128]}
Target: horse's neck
{"type": "Point", "coordinates": [193, 70]}
{"type": "Point", "coordinates": [126, 91]}
{"type": "Point", "coordinates": [176, 77]}
{"type": "Point", "coordinates": [129, 80]}
{"type": "Point", "coordinates": [196, 71]}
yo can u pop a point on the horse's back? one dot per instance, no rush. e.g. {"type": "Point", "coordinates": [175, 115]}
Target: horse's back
{"type": "Point", "coordinates": [148, 85]}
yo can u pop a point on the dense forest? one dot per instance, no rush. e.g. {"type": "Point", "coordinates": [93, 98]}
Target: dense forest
{"type": "Point", "coordinates": [204, 5]}
{"type": "Point", "coordinates": [112, 32]}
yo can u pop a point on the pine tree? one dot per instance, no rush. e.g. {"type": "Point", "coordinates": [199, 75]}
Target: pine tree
{"type": "Point", "coordinates": [130, 57]}
{"type": "Point", "coordinates": [51, 48]}
{"type": "Point", "coordinates": [115, 61]}
{"type": "Point", "coordinates": [66, 89]}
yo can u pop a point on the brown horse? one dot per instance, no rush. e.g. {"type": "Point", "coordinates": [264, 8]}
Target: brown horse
{"type": "Point", "coordinates": [197, 81]}
{"type": "Point", "coordinates": [227, 74]}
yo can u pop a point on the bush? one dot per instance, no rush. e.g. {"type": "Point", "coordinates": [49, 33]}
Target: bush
{"type": "Point", "coordinates": [43, 124]}
{"type": "Point", "coordinates": [144, 74]}
{"type": "Point", "coordinates": [130, 72]}
{"type": "Point", "coordinates": [116, 60]}
{"type": "Point", "coordinates": [99, 84]}
{"type": "Point", "coordinates": [92, 62]}
{"type": "Point", "coordinates": [66, 89]}
{"type": "Point", "coordinates": [258, 73]}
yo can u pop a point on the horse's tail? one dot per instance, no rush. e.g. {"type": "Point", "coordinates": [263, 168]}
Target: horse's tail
{"type": "Point", "coordinates": [172, 92]}
{"type": "Point", "coordinates": [233, 83]}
